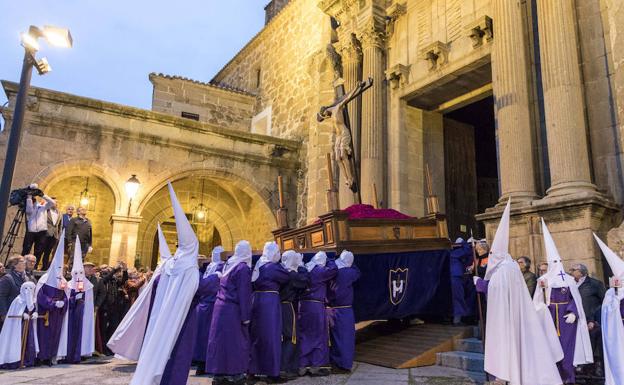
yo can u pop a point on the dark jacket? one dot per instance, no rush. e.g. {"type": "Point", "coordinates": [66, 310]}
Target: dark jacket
{"type": "Point", "coordinates": [592, 293]}
{"type": "Point", "coordinates": [531, 281]}
{"type": "Point", "coordinates": [109, 293]}
{"type": "Point", "coordinates": [10, 285]}
{"type": "Point", "coordinates": [82, 228]}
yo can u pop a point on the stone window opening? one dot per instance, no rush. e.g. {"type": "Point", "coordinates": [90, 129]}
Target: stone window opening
{"type": "Point", "coordinates": [190, 115]}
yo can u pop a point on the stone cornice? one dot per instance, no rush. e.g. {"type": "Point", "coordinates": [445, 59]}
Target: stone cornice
{"type": "Point", "coordinates": [350, 50]}
{"type": "Point", "coordinates": [56, 97]}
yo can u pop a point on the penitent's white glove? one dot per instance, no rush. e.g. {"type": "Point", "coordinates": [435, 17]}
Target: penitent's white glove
{"type": "Point", "coordinates": [570, 318]}
{"type": "Point", "coordinates": [79, 295]}
{"type": "Point", "coordinates": [59, 304]}
{"type": "Point", "coordinates": [475, 279]}
{"type": "Point", "coordinates": [34, 316]}
{"type": "Point", "coordinates": [25, 316]}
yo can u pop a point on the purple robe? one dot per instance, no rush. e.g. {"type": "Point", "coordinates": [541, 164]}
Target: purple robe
{"type": "Point", "coordinates": [49, 336]}
{"type": "Point", "coordinates": [562, 303]}
{"type": "Point", "coordinates": [266, 320]}
{"type": "Point", "coordinates": [341, 317]}
{"type": "Point", "coordinates": [312, 327]}
{"type": "Point", "coordinates": [74, 327]}
{"type": "Point", "coordinates": [210, 286]}
{"type": "Point", "coordinates": [289, 293]}
{"type": "Point", "coordinates": [462, 286]}
{"type": "Point", "coordinates": [177, 368]}
{"type": "Point", "coordinates": [30, 354]}
{"type": "Point", "coordinates": [228, 342]}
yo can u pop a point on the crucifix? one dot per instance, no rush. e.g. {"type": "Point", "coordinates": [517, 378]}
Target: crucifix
{"type": "Point", "coordinates": [562, 275]}
{"type": "Point", "coordinates": [343, 147]}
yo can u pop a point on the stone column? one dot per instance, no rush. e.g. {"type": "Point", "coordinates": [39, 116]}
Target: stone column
{"type": "Point", "coordinates": [568, 152]}
{"type": "Point", "coordinates": [351, 54]}
{"type": "Point", "coordinates": [124, 238]}
{"type": "Point", "coordinates": [372, 138]}
{"type": "Point", "coordinates": [510, 69]}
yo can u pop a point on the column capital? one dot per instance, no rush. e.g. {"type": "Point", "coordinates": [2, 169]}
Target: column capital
{"type": "Point", "coordinates": [350, 50]}
{"type": "Point", "coordinates": [371, 34]}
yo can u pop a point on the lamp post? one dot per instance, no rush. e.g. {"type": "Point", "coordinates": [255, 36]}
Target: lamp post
{"type": "Point", "coordinates": [132, 186]}
{"type": "Point", "coordinates": [54, 36]}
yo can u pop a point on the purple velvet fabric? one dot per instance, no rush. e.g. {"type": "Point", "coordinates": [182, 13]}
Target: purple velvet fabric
{"type": "Point", "coordinates": [49, 336]}
{"type": "Point", "coordinates": [74, 327]}
{"type": "Point", "coordinates": [561, 304]}
{"type": "Point", "coordinates": [361, 211]}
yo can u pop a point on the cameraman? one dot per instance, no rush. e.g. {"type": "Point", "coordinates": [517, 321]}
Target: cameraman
{"type": "Point", "coordinates": [36, 224]}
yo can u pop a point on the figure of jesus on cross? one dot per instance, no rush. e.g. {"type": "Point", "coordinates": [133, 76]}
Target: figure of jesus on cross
{"type": "Point", "coordinates": [343, 146]}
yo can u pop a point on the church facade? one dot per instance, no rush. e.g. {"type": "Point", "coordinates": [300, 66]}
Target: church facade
{"type": "Point", "coordinates": [498, 99]}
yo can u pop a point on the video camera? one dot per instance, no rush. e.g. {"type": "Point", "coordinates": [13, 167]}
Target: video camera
{"type": "Point", "coordinates": [18, 196]}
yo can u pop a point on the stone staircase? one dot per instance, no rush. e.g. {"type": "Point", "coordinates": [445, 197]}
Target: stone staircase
{"type": "Point", "coordinates": [467, 356]}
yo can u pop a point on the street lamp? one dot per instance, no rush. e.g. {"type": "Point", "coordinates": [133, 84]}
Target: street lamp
{"type": "Point", "coordinates": [132, 186]}
{"type": "Point", "coordinates": [55, 36]}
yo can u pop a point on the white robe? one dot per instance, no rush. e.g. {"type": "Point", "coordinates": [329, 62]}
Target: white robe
{"type": "Point", "coordinates": [613, 338]}
{"type": "Point", "coordinates": [11, 334]}
{"type": "Point", "coordinates": [583, 353]}
{"type": "Point", "coordinates": [173, 299]}
{"type": "Point", "coordinates": [516, 344]}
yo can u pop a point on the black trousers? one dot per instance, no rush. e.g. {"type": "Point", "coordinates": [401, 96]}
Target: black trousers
{"type": "Point", "coordinates": [39, 240]}
{"type": "Point", "coordinates": [50, 245]}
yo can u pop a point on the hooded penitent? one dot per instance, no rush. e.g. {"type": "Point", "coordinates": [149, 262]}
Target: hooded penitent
{"type": "Point", "coordinates": [518, 348]}
{"type": "Point", "coordinates": [81, 333]}
{"type": "Point", "coordinates": [291, 260]}
{"type": "Point", "coordinates": [52, 295]}
{"type": "Point", "coordinates": [215, 261]}
{"type": "Point", "coordinates": [563, 298]}
{"type": "Point", "coordinates": [12, 331]}
{"type": "Point", "coordinates": [319, 259]}
{"type": "Point", "coordinates": [127, 339]}
{"type": "Point", "coordinates": [178, 283]}
{"type": "Point", "coordinates": [612, 318]}
{"type": "Point", "coordinates": [270, 253]}
{"type": "Point", "coordinates": [345, 259]}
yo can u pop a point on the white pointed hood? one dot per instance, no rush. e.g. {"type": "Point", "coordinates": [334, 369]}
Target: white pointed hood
{"type": "Point", "coordinates": [270, 253]}
{"type": "Point", "coordinates": [500, 245]}
{"type": "Point", "coordinates": [615, 262]}
{"type": "Point", "coordinates": [215, 262]}
{"type": "Point", "coordinates": [77, 273]}
{"type": "Point", "coordinates": [54, 276]}
{"type": "Point", "coordinates": [185, 256]}
{"type": "Point", "coordinates": [556, 275]}
{"type": "Point", "coordinates": [242, 254]}
{"type": "Point", "coordinates": [163, 247]}
{"type": "Point", "coordinates": [11, 334]}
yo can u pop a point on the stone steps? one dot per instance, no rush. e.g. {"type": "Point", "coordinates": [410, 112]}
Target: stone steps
{"type": "Point", "coordinates": [467, 361]}
{"type": "Point", "coordinates": [472, 345]}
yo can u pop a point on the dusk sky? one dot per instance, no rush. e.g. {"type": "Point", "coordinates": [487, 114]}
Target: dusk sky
{"type": "Point", "coordinates": [118, 43]}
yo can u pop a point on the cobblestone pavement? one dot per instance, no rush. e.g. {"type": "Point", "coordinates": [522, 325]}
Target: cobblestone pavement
{"type": "Point", "coordinates": [113, 371]}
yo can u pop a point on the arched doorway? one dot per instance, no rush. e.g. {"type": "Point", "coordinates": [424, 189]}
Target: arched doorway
{"type": "Point", "coordinates": [97, 197]}
{"type": "Point", "coordinates": [232, 211]}
{"type": "Point", "coordinates": [207, 234]}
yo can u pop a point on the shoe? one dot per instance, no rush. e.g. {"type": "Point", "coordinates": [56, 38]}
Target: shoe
{"type": "Point", "coordinates": [200, 372]}
{"type": "Point", "coordinates": [288, 375]}
{"type": "Point", "coordinates": [337, 370]}
{"type": "Point", "coordinates": [319, 372]}
{"type": "Point", "coordinates": [302, 371]}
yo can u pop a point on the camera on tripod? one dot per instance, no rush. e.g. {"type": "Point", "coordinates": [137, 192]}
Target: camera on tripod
{"type": "Point", "coordinates": [18, 196]}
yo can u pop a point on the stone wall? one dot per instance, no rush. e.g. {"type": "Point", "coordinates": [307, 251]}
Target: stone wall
{"type": "Point", "coordinates": [67, 136]}
{"type": "Point", "coordinates": [228, 108]}
{"type": "Point", "coordinates": [282, 52]}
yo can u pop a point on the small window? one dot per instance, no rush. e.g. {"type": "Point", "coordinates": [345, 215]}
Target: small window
{"type": "Point", "coordinates": [258, 77]}
{"type": "Point", "coordinates": [190, 115]}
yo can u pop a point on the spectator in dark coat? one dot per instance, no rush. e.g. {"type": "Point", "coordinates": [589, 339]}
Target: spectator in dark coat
{"type": "Point", "coordinates": [529, 277]}
{"type": "Point", "coordinates": [592, 293]}
{"type": "Point", "coordinates": [29, 272]}
{"type": "Point", "coordinates": [11, 283]}
{"type": "Point", "coordinates": [81, 227]}
{"type": "Point", "coordinates": [111, 301]}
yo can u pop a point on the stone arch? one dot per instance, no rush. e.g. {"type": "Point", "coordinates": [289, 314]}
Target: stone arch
{"type": "Point", "coordinates": [236, 207]}
{"type": "Point", "coordinates": [56, 172]}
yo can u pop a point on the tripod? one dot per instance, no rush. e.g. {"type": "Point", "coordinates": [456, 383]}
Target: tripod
{"type": "Point", "coordinates": [9, 240]}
